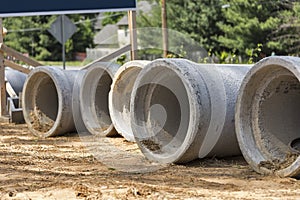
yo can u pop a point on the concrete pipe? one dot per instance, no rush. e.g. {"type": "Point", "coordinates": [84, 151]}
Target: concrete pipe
{"type": "Point", "coordinates": [94, 92]}
{"type": "Point", "coordinates": [47, 101]}
{"type": "Point", "coordinates": [119, 97]}
{"type": "Point", "coordinates": [79, 124]}
{"type": "Point", "coordinates": [16, 79]}
{"type": "Point", "coordinates": [182, 110]}
{"type": "Point", "coordinates": [267, 118]}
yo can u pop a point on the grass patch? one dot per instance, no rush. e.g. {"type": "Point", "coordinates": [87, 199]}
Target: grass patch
{"type": "Point", "coordinates": [60, 63]}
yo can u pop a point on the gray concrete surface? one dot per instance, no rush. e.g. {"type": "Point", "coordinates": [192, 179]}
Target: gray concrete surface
{"type": "Point", "coordinates": [181, 110]}
{"type": "Point", "coordinates": [120, 94]}
{"type": "Point", "coordinates": [47, 101]}
{"type": "Point", "coordinates": [93, 95]}
{"type": "Point", "coordinates": [267, 116]}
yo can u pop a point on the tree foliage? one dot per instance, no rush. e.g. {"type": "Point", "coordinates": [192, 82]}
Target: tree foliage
{"type": "Point", "coordinates": [30, 35]}
{"type": "Point", "coordinates": [285, 38]}
{"type": "Point", "coordinates": [243, 28]}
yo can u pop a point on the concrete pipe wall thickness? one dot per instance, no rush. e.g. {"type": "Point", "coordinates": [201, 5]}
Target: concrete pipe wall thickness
{"type": "Point", "coordinates": [267, 116]}
{"type": "Point", "coordinates": [182, 111]}
{"type": "Point", "coordinates": [47, 101]}
{"type": "Point", "coordinates": [120, 94]}
{"type": "Point", "coordinates": [94, 91]}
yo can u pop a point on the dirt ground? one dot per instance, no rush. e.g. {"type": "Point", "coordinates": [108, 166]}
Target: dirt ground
{"type": "Point", "coordinates": [64, 168]}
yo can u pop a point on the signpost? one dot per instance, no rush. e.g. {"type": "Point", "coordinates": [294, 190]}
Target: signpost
{"type": "Point", "coordinates": [13, 8]}
{"type": "Point", "coordinates": [62, 29]}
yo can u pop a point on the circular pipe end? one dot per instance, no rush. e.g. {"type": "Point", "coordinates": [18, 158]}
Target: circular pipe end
{"type": "Point", "coordinates": [43, 101]}
{"type": "Point", "coordinates": [119, 97]}
{"type": "Point", "coordinates": [164, 111]}
{"type": "Point", "coordinates": [267, 117]}
{"type": "Point", "coordinates": [94, 92]}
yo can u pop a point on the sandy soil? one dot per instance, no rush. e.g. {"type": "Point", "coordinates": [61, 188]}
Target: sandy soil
{"type": "Point", "coordinates": [64, 168]}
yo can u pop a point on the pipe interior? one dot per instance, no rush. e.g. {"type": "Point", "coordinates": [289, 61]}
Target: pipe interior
{"type": "Point", "coordinates": [101, 101]}
{"type": "Point", "coordinates": [121, 97]}
{"type": "Point", "coordinates": [162, 112]}
{"type": "Point", "coordinates": [44, 103]}
{"type": "Point", "coordinates": [278, 118]}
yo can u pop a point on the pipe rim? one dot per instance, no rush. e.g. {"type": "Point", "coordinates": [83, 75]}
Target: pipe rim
{"type": "Point", "coordinates": [127, 68]}
{"type": "Point", "coordinates": [98, 69]}
{"type": "Point", "coordinates": [192, 131]}
{"type": "Point", "coordinates": [52, 73]}
{"type": "Point", "coordinates": [246, 138]}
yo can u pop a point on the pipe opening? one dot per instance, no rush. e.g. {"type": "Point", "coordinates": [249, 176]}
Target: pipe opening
{"type": "Point", "coordinates": [121, 97]}
{"type": "Point", "coordinates": [94, 101]}
{"type": "Point", "coordinates": [162, 112]}
{"type": "Point", "coordinates": [101, 101]}
{"type": "Point", "coordinates": [44, 104]}
{"type": "Point", "coordinates": [275, 117]}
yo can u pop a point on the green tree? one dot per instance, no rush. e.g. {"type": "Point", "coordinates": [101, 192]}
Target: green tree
{"type": "Point", "coordinates": [112, 17]}
{"type": "Point", "coordinates": [286, 38]}
{"type": "Point", "coordinates": [249, 23]}
{"type": "Point", "coordinates": [30, 35]}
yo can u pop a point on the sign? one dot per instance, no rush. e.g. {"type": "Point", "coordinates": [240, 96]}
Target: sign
{"type": "Point", "coordinates": [49, 7]}
{"type": "Point", "coordinates": [62, 28]}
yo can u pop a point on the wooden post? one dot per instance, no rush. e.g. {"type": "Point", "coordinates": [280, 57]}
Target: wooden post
{"type": "Point", "coordinates": [133, 34]}
{"type": "Point", "coordinates": [164, 28]}
{"type": "Point", "coordinates": [3, 112]}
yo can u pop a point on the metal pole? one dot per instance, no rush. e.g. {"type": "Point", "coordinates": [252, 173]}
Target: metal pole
{"type": "Point", "coordinates": [2, 76]}
{"type": "Point", "coordinates": [63, 40]}
{"type": "Point", "coordinates": [164, 28]}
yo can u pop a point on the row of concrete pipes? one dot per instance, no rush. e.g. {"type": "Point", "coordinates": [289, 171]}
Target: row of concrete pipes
{"type": "Point", "coordinates": [177, 110]}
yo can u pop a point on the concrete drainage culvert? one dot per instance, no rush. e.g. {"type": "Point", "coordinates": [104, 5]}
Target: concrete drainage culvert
{"type": "Point", "coordinates": [181, 110]}
{"type": "Point", "coordinates": [267, 116]}
{"type": "Point", "coordinates": [94, 90]}
{"type": "Point", "coordinates": [120, 94]}
{"type": "Point", "coordinates": [47, 97]}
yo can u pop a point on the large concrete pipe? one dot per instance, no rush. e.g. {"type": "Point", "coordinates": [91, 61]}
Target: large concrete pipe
{"type": "Point", "coordinates": [181, 110]}
{"type": "Point", "coordinates": [47, 101]}
{"type": "Point", "coordinates": [94, 91]}
{"type": "Point", "coordinates": [119, 97]}
{"type": "Point", "coordinates": [267, 116]}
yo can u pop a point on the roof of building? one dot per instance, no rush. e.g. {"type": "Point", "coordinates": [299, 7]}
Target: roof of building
{"type": "Point", "coordinates": [123, 21]}
{"type": "Point", "coordinates": [108, 35]}
{"type": "Point", "coordinates": [144, 6]}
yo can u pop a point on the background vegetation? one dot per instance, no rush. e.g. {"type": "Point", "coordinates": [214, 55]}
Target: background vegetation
{"type": "Point", "coordinates": [229, 30]}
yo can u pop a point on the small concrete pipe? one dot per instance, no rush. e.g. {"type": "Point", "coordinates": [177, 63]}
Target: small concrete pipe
{"type": "Point", "coordinates": [181, 110]}
{"type": "Point", "coordinates": [119, 97]}
{"type": "Point", "coordinates": [16, 79]}
{"type": "Point", "coordinates": [267, 116]}
{"type": "Point", "coordinates": [95, 87]}
{"type": "Point", "coordinates": [47, 101]}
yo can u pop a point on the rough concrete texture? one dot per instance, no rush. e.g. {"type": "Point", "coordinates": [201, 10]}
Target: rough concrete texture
{"type": "Point", "coordinates": [93, 95]}
{"type": "Point", "coordinates": [78, 121]}
{"type": "Point", "coordinates": [47, 101]}
{"type": "Point", "coordinates": [120, 94]}
{"type": "Point", "coordinates": [182, 110]}
{"type": "Point", "coordinates": [267, 116]}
